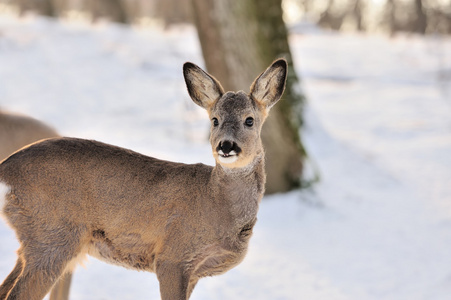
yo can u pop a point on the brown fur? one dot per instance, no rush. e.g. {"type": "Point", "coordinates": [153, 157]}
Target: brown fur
{"type": "Point", "coordinates": [17, 131]}
{"type": "Point", "coordinates": [71, 197]}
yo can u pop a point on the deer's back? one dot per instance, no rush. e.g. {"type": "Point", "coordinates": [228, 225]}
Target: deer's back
{"type": "Point", "coordinates": [93, 176]}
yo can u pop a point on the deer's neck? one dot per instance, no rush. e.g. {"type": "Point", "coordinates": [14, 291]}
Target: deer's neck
{"type": "Point", "coordinates": [243, 188]}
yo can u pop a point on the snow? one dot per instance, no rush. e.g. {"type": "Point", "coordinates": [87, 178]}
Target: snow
{"type": "Point", "coordinates": [4, 189]}
{"type": "Point", "coordinates": [378, 129]}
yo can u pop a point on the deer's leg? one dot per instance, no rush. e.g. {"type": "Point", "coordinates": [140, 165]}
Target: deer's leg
{"type": "Point", "coordinates": [9, 282]}
{"type": "Point", "coordinates": [174, 282]}
{"type": "Point", "coordinates": [42, 268]}
{"type": "Point", "coordinates": [46, 252]}
{"type": "Point", "coordinates": [60, 290]}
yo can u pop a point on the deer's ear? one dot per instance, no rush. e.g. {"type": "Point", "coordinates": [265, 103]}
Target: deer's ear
{"type": "Point", "coordinates": [203, 88]}
{"type": "Point", "coordinates": [269, 86]}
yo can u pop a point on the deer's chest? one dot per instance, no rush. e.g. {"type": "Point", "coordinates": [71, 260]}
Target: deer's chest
{"type": "Point", "coordinates": [223, 255]}
{"type": "Point", "coordinates": [215, 259]}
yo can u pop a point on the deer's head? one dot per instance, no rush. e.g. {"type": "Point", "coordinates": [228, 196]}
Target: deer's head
{"type": "Point", "coordinates": [236, 117]}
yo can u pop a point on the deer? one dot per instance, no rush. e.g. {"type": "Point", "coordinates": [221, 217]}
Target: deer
{"type": "Point", "coordinates": [67, 198]}
{"type": "Point", "coordinates": [17, 131]}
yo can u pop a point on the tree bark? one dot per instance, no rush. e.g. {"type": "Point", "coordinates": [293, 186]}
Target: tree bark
{"type": "Point", "coordinates": [239, 39]}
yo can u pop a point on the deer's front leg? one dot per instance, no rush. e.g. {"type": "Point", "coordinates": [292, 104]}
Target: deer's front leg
{"type": "Point", "coordinates": [9, 282]}
{"type": "Point", "coordinates": [174, 282]}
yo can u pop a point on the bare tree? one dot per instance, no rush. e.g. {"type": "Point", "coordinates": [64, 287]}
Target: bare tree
{"type": "Point", "coordinates": [240, 38]}
{"type": "Point", "coordinates": [43, 7]}
{"type": "Point", "coordinates": [420, 21]}
{"type": "Point", "coordinates": [357, 11]}
{"type": "Point", "coordinates": [109, 9]}
{"type": "Point", "coordinates": [331, 17]}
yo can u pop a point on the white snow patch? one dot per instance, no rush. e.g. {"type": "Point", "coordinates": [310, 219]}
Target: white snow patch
{"type": "Point", "coordinates": [4, 189]}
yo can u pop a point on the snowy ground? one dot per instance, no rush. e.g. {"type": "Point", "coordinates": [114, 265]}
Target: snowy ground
{"type": "Point", "coordinates": [378, 127]}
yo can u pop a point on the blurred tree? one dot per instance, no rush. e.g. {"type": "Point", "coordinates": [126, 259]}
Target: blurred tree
{"type": "Point", "coordinates": [357, 12]}
{"type": "Point", "coordinates": [390, 16]}
{"type": "Point", "coordinates": [406, 16]}
{"type": "Point", "coordinates": [42, 7]}
{"type": "Point", "coordinates": [174, 11]}
{"type": "Point", "coordinates": [239, 39]}
{"type": "Point", "coordinates": [112, 10]}
{"type": "Point", "coordinates": [420, 20]}
{"type": "Point", "coordinates": [331, 17]}
{"type": "Point", "coordinates": [420, 16]}
{"type": "Point", "coordinates": [134, 9]}
{"type": "Point", "coordinates": [439, 19]}
{"type": "Point", "coordinates": [306, 4]}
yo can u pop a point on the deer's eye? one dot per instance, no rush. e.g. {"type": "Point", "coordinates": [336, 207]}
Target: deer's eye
{"type": "Point", "coordinates": [249, 122]}
{"type": "Point", "coordinates": [215, 122]}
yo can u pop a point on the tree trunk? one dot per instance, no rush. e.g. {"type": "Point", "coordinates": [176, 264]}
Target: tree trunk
{"type": "Point", "coordinates": [239, 39]}
{"type": "Point", "coordinates": [420, 22]}
{"type": "Point", "coordinates": [357, 12]}
{"type": "Point", "coordinates": [390, 15]}
{"type": "Point", "coordinates": [109, 9]}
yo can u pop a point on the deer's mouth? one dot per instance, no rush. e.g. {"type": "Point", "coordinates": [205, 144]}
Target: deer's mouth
{"type": "Point", "coordinates": [227, 158]}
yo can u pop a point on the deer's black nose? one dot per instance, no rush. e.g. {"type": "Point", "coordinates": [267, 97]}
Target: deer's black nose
{"type": "Point", "coordinates": [227, 146]}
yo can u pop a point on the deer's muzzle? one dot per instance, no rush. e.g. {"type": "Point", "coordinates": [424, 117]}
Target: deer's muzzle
{"type": "Point", "coordinates": [228, 151]}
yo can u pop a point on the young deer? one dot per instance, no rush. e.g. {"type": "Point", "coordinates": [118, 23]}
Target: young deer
{"type": "Point", "coordinates": [67, 197]}
{"type": "Point", "coordinates": [17, 131]}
